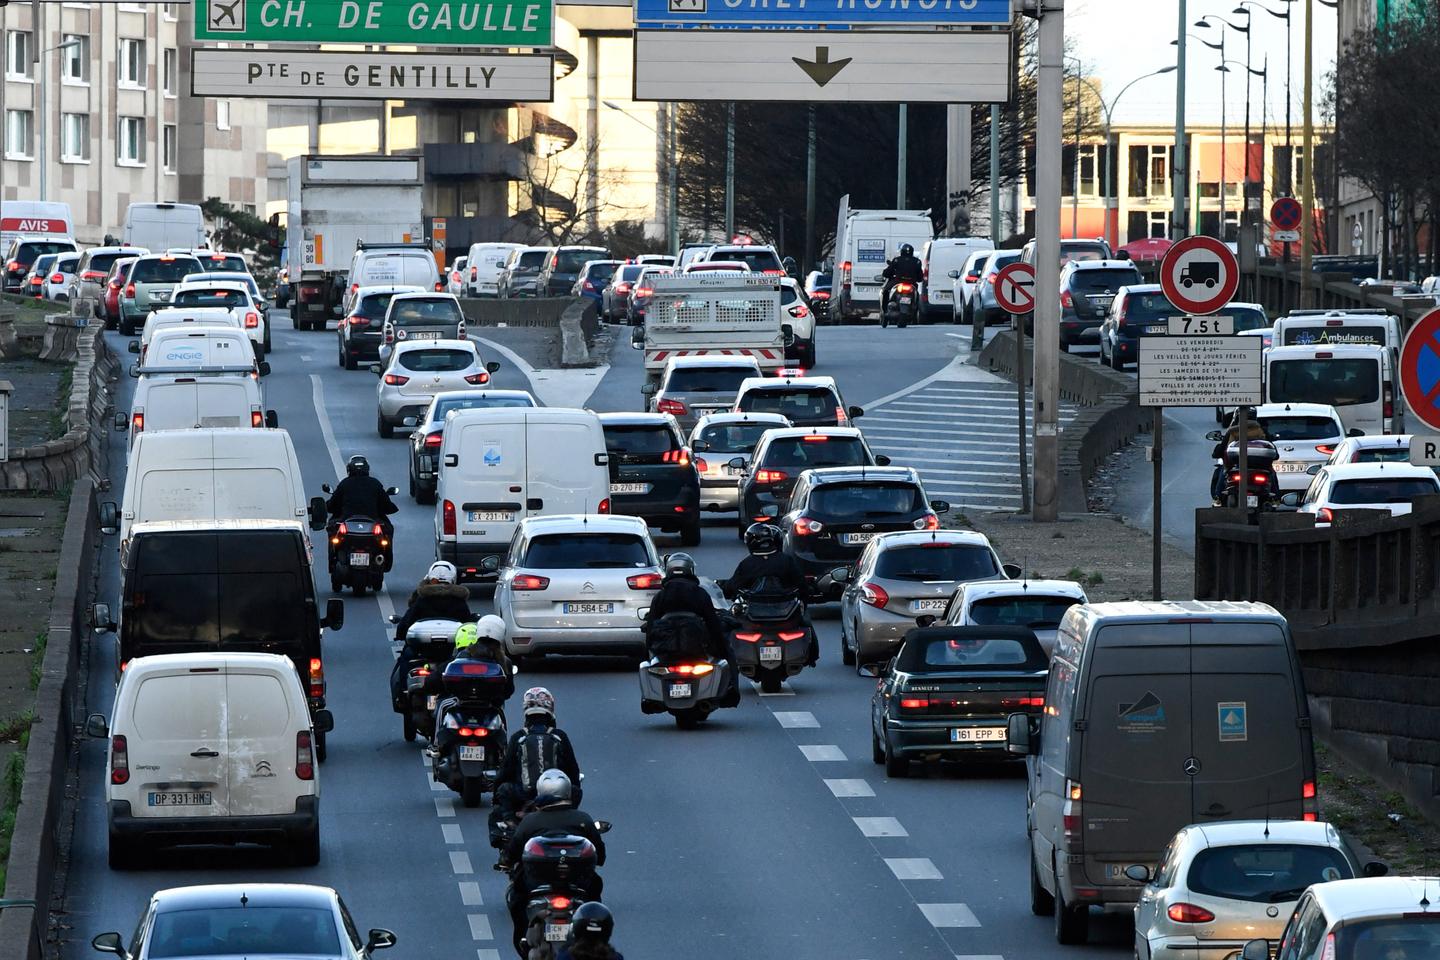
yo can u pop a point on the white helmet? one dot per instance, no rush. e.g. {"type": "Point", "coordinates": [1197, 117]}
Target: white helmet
{"type": "Point", "coordinates": [442, 571]}
{"type": "Point", "coordinates": [491, 627]}
{"type": "Point", "coordinates": [553, 787]}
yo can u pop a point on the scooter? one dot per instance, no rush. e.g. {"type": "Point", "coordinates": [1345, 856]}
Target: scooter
{"type": "Point", "coordinates": [903, 305]}
{"type": "Point", "coordinates": [680, 676]}
{"type": "Point", "coordinates": [561, 867]}
{"type": "Point", "coordinates": [1262, 484]}
{"type": "Point", "coordinates": [359, 551]}
{"type": "Point", "coordinates": [773, 640]}
{"type": "Point", "coordinates": [470, 733]}
{"type": "Point", "coordinates": [434, 644]}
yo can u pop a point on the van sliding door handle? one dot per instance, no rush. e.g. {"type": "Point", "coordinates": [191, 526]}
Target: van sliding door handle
{"type": "Point", "coordinates": [534, 503]}
{"type": "Point", "coordinates": [205, 753]}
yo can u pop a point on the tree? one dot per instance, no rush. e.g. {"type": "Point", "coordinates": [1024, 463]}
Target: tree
{"type": "Point", "coordinates": [236, 229]}
{"type": "Point", "coordinates": [564, 209]}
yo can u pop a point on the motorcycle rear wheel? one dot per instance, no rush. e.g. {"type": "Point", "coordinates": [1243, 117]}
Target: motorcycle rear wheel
{"type": "Point", "coordinates": [408, 727]}
{"type": "Point", "coordinates": [770, 682]}
{"type": "Point", "coordinates": [472, 791]}
{"type": "Point", "coordinates": [688, 719]}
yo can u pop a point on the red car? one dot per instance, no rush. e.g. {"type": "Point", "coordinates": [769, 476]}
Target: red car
{"type": "Point", "coordinates": [114, 283]}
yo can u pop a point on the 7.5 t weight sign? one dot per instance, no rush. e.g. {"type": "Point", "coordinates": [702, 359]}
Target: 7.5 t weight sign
{"type": "Point", "coordinates": [450, 23]}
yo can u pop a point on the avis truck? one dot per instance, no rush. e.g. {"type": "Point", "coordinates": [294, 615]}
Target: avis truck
{"type": "Point", "coordinates": [334, 204]}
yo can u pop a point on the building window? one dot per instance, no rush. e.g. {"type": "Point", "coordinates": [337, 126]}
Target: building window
{"type": "Point", "coordinates": [75, 138]}
{"type": "Point", "coordinates": [19, 55]}
{"type": "Point", "coordinates": [19, 134]}
{"type": "Point", "coordinates": [167, 147]}
{"type": "Point", "coordinates": [132, 62]}
{"type": "Point", "coordinates": [75, 62]}
{"type": "Point", "coordinates": [1150, 170]}
{"type": "Point", "coordinates": [167, 10]}
{"type": "Point", "coordinates": [130, 142]}
{"type": "Point", "coordinates": [222, 114]}
{"type": "Point", "coordinates": [170, 70]}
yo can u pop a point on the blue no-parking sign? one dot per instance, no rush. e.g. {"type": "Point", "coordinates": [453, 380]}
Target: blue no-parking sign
{"type": "Point", "coordinates": [1420, 368]}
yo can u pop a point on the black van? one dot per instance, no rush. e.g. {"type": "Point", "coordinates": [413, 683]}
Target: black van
{"type": "Point", "coordinates": [235, 585]}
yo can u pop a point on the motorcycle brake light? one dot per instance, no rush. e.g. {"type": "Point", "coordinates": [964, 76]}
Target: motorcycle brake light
{"type": "Point", "coordinates": [788, 635]}
{"type": "Point", "coordinates": [560, 903]}
{"type": "Point", "coordinates": [691, 669]}
{"type": "Point", "coordinates": [748, 637]}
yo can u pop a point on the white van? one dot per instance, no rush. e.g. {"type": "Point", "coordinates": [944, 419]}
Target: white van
{"type": "Point", "coordinates": [203, 348]}
{"type": "Point", "coordinates": [389, 265]}
{"type": "Point", "coordinates": [865, 241]}
{"type": "Point", "coordinates": [1335, 327]}
{"type": "Point", "coordinates": [482, 270]}
{"type": "Point", "coordinates": [499, 466]}
{"type": "Point", "coordinates": [211, 748]}
{"type": "Point", "coordinates": [182, 402]}
{"type": "Point", "coordinates": [220, 473]}
{"type": "Point", "coordinates": [938, 258]}
{"type": "Point", "coordinates": [37, 219]}
{"type": "Point", "coordinates": [1356, 379]}
{"type": "Point", "coordinates": [179, 317]}
{"type": "Point", "coordinates": [160, 226]}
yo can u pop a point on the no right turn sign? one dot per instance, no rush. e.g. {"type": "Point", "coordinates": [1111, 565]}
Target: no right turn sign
{"type": "Point", "coordinates": [1015, 288]}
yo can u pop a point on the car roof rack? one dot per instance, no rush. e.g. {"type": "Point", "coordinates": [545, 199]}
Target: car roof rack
{"type": "Point", "coordinates": [392, 244]}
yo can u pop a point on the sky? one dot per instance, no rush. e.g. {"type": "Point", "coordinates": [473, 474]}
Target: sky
{"type": "Point", "coordinates": [1119, 40]}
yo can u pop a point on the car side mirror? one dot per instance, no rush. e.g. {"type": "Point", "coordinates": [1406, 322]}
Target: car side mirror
{"type": "Point", "coordinates": [379, 939]}
{"type": "Point", "coordinates": [1138, 872]}
{"type": "Point", "coordinates": [263, 368]}
{"type": "Point", "coordinates": [1314, 468]}
{"type": "Point", "coordinates": [1214, 436]}
{"type": "Point", "coordinates": [1255, 950]}
{"type": "Point", "coordinates": [1018, 738]}
{"type": "Point", "coordinates": [926, 620]}
{"type": "Point", "coordinates": [334, 613]}
{"type": "Point", "coordinates": [375, 369]}
{"type": "Point", "coordinates": [109, 515]}
{"type": "Point", "coordinates": [736, 463]}
{"type": "Point", "coordinates": [1375, 868]}
{"type": "Point", "coordinates": [1354, 433]}
{"type": "Point", "coordinates": [881, 460]}
{"type": "Point", "coordinates": [100, 620]}
{"type": "Point", "coordinates": [317, 513]}
{"type": "Point", "coordinates": [410, 421]}
{"type": "Point", "coordinates": [699, 446]}
{"type": "Point", "coordinates": [134, 371]}
{"type": "Point", "coordinates": [490, 564]}
{"type": "Point", "coordinates": [95, 726]}
{"type": "Point", "coordinates": [953, 274]}
{"type": "Point", "coordinates": [840, 574]}
{"type": "Point", "coordinates": [122, 422]}
{"type": "Point", "coordinates": [323, 721]}
{"type": "Point", "coordinates": [133, 346]}
{"type": "Point", "coordinates": [272, 419]}
{"type": "Point", "coordinates": [1291, 499]}
{"type": "Point", "coordinates": [854, 413]}
{"type": "Point", "coordinates": [392, 490]}
{"type": "Point", "coordinates": [649, 389]}
{"type": "Point", "coordinates": [109, 943]}
{"type": "Point", "coordinates": [493, 366]}
{"type": "Point", "coordinates": [940, 506]}
{"type": "Point", "coordinates": [1013, 571]}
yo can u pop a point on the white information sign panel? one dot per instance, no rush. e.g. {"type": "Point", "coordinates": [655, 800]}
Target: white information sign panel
{"type": "Point", "coordinates": [362, 75]}
{"type": "Point", "coordinates": [1425, 450]}
{"type": "Point", "coordinates": [822, 66]}
{"type": "Point", "coordinates": [1200, 371]}
{"type": "Point", "coordinates": [1210, 325]}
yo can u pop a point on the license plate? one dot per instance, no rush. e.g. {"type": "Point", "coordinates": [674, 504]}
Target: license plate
{"type": "Point", "coordinates": [557, 932]}
{"type": "Point", "coordinates": [856, 537]}
{"type": "Point", "coordinates": [1291, 466]}
{"type": "Point", "coordinates": [904, 300]}
{"type": "Point", "coordinates": [629, 488]}
{"type": "Point", "coordinates": [490, 516]}
{"type": "Point", "coordinates": [771, 654]}
{"type": "Point", "coordinates": [937, 603]}
{"type": "Point", "coordinates": [973, 734]}
{"type": "Point", "coordinates": [359, 559]}
{"type": "Point", "coordinates": [588, 607]}
{"type": "Point", "coordinates": [679, 690]}
{"type": "Point", "coordinates": [181, 798]}
{"type": "Point", "coordinates": [161, 296]}
{"type": "Point", "coordinates": [1157, 328]}
{"type": "Point", "coordinates": [1252, 500]}
{"type": "Point", "coordinates": [431, 700]}
{"type": "Point", "coordinates": [1100, 301]}
{"type": "Point", "coordinates": [315, 307]}
{"type": "Point", "coordinates": [472, 753]}
{"type": "Point", "coordinates": [425, 335]}
{"type": "Point", "coordinates": [940, 295]}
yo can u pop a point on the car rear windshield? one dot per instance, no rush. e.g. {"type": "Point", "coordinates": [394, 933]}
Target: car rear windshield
{"type": "Point", "coordinates": [944, 650]}
{"type": "Point", "coordinates": [65, 262]}
{"type": "Point", "coordinates": [227, 276]}
{"type": "Point", "coordinates": [247, 930]}
{"type": "Point", "coordinates": [420, 313]}
{"type": "Point", "coordinates": [31, 249]}
{"type": "Point", "coordinates": [1082, 251]}
{"type": "Point", "coordinates": [171, 270]}
{"type": "Point", "coordinates": [734, 437]}
{"type": "Point", "coordinates": [1300, 428]}
{"type": "Point", "coordinates": [1140, 307]}
{"type": "Point", "coordinates": [936, 561]}
{"type": "Point", "coordinates": [570, 261]}
{"type": "Point", "coordinates": [639, 442]}
{"type": "Point", "coordinates": [373, 306]}
{"type": "Point", "coordinates": [1348, 333]}
{"type": "Point", "coordinates": [600, 272]}
{"type": "Point", "coordinates": [1381, 490]}
{"type": "Point", "coordinates": [631, 271]}
{"type": "Point", "coordinates": [1001, 260]}
{"type": "Point", "coordinates": [1037, 613]}
{"type": "Point", "coordinates": [1247, 318]}
{"type": "Point", "coordinates": [587, 551]}
{"type": "Point", "coordinates": [1264, 873]}
{"type": "Point", "coordinates": [707, 379]}
{"type": "Point", "coordinates": [121, 271]}
{"type": "Point", "coordinates": [43, 264]}
{"type": "Point", "coordinates": [1393, 938]}
{"type": "Point", "coordinates": [756, 260]}
{"type": "Point", "coordinates": [796, 403]}
{"type": "Point", "coordinates": [435, 361]}
{"type": "Point", "coordinates": [1102, 281]}
{"type": "Point", "coordinates": [210, 298]}
{"type": "Point", "coordinates": [1390, 454]}
{"type": "Point", "coordinates": [531, 260]}
{"type": "Point", "coordinates": [443, 407]}
{"type": "Point", "coordinates": [865, 500]}
{"type": "Point", "coordinates": [815, 450]}
{"type": "Point", "coordinates": [1336, 381]}
{"type": "Point", "coordinates": [224, 261]}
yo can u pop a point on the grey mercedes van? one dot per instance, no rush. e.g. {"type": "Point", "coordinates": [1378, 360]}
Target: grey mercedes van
{"type": "Point", "coordinates": [1157, 715]}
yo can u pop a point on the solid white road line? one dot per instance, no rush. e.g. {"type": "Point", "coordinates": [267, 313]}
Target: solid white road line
{"type": "Point", "coordinates": [453, 835]}
{"type": "Point", "coordinates": [796, 720]}
{"type": "Point", "coordinates": [460, 863]}
{"type": "Point", "coordinates": [822, 752]}
{"type": "Point", "coordinates": [948, 915]}
{"type": "Point", "coordinates": [470, 894]}
{"type": "Point", "coordinates": [444, 806]}
{"type": "Point", "coordinates": [850, 788]}
{"type": "Point", "coordinates": [913, 868]}
{"type": "Point", "coordinates": [479, 927]}
{"type": "Point", "coordinates": [880, 827]}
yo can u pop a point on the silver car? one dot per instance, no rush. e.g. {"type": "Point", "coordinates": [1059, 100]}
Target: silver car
{"type": "Point", "coordinates": [902, 576]}
{"type": "Point", "coordinates": [718, 440]}
{"type": "Point", "coordinates": [416, 370]}
{"type": "Point", "coordinates": [1036, 604]}
{"type": "Point", "coordinates": [1220, 885]}
{"type": "Point", "coordinates": [691, 387]}
{"type": "Point", "coordinates": [576, 584]}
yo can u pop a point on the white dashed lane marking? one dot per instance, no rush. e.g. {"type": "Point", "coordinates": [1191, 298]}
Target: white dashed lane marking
{"type": "Point", "coordinates": [850, 788]}
{"type": "Point", "coordinates": [444, 806]}
{"type": "Point", "coordinates": [948, 915]}
{"type": "Point", "coordinates": [797, 719]}
{"type": "Point", "coordinates": [470, 894]}
{"type": "Point", "coordinates": [460, 862]}
{"type": "Point", "coordinates": [453, 836]}
{"type": "Point", "coordinates": [979, 956]}
{"type": "Point", "coordinates": [487, 954]}
{"type": "Point", "coordinates": [880, 827]}
{"type": "Point", "coordinates": [480, 927]}
{"type": "Point", "coordinates": [913, 868]}
{"type": "Point", "coordinates": [821, 752]}
{"type": "Point", "coordinates": [784, 691]}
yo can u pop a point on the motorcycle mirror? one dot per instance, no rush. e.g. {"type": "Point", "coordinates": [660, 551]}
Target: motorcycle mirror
{"type": "Point", "coordinates": [603, 826]}
{"type": "Point", "coordinates": [392, 490]}
{"type": "Point", "coordinates": [1214, 436]}
{"type": "Point", "coordinates": [326, 487]}
{"type": "Point", "coordinates": [393, 618]}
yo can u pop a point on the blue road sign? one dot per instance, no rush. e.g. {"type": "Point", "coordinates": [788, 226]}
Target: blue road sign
{"type": "Point", "coordinates": [839, 13]}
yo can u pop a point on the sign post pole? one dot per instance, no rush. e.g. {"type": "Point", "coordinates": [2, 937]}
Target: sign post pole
{"type": "Point", "coordinates": [1157, 447]}
{"type": "Point", "coordinates": [1015, 294]}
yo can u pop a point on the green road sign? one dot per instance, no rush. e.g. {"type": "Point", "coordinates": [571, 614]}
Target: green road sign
{"type": "Point", "coordinates": [450, 23]}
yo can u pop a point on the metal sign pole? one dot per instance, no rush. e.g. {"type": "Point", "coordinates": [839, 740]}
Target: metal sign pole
{"type": "Point", "coordinates": [1156, 456]}
{"type": "Point", "coordinates": [1015, 320]}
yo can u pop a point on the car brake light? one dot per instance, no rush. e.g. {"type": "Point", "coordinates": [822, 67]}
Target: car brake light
{"type": "Point", "coordinates": [673, 407]}
{"type": "Point", "coordinates": [447, 518]}
{"type": "Point", "coordinates": [622, 288]}
{"type": "Point", "coordinates": [433, 440]}
{"type": "Point", "coordinates": [528, 581]}
{"type": "Point", "coordinates": [478, 378]}
{"type": "Point", "coordinates": [395, 380]}
{"type": "Point", "coordinates": [252, 320]}
{"type": "Point", "coordinates": [604, 506]}
{"type": "Point", "coordinates": [701, 465]}
{"type": "Point", "coordinates": [748, 637]}
{"type": "Point", "coordinates": [820, 295]}
{"type": "Point", "coordinates": [358, 321]}
{"type": "Point", "coordinates": [799, 311]}
{"type": "Point", "coordinates": [119, 760]}
{"type": "Point", "coordinates": [439, 286]}
{"type": "Point", "coordinates": [1065, 299]}
{"type": "Point", "coordinates": [840, 417]}
{"type": "Point", "coordinates": [1070, 814]}
{"type": "Point", "coordinates": [1027, 702]}
{"type": "Point", "coordinates": [644, 581]}
{"type": "Point", "coordinates": [788, 635]}
{"type": "Point", "coordinates": [804, 526]}
{"type": "Point", "coordinates": [13, 265]}
{"type": "Point", "coordinates": [1324, 355]}
{"type": "Point", "coordinates": [643, 291]}
{"type": "Point", "coordinates": [915, 703]}
{"type": "Point", "coordinates": [1389, 404]}
{"type": "Point", "coordinates": [680, 457]}
{"type": "Point", "coordinates": [1189, 913]}
{"type": "Point", "coordinates": [130, 290]}
{"type": "Point", "coordinates": [257, 419]}
{"type": "Point", "coordinates": [137, 421]}
{"type": "Point", "coordinates": [317, 669]}
{"type": "Point", "coordinates": [304, 756]}
{"type": "Point", "coordinates": [874, 595]}
{"type": "Point", "coordinates": [1325, 448]}
{"type": "Point", "coordinates": [354, 287]}
{"type": "Point", "coordinates": [770, 476]}
{"type": "Point", "coordinates": [1309, 802]}
{"type": "Point", "coordinates": [1324, 515]}
{"type": "Point", "coordinates": [474, 272]}
{"type": "Point", "coordinates": [927, 522]}
{"type": "Point", "coordinates": [57, 278]}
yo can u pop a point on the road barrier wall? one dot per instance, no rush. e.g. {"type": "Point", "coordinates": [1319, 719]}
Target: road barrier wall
{"type": "Point", "coordinates": [518, 312]}
{"type": "Point", "coordinates": [1363, 601]}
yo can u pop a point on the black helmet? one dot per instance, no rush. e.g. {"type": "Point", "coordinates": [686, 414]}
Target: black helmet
{"type": "Point", "coordinates": [592, 922]}
{"type": "Point", "coordinates": [763, 539]}
{"type": "Point", "coordinates": [906, 250]}
{"type": "Point", "coordinates": [679, 565]}
{"type": "Point", "coordinates": [357, 466]}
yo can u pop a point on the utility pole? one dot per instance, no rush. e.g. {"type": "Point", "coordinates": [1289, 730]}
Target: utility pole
{"type": "Point", "coordinates": [810, 187]}
{"type": "Point", "coordinates": [901, 158]}
{"type": "Point", "coordinates": [1307, 182]}
{"type": "Point", "coordinates": [1049, 121]}
{"type": "Point", "coordinates": [957, 170]}
{"type": "Point", "coordinates": [730, 173]}
{"type": "Point", "coordinates": [674, 203]}
{"type": "Point", "coordinates": [1179, 172]}
{"type": "Point", "coordinates": [996, 233]}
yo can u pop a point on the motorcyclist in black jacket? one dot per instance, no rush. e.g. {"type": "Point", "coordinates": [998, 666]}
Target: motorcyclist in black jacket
{"type": "Point", "coordinates": [768, 570]}
{"type": "Point", "coordinates": [438, 597]}
{"type": "Point", "coordinates": [681, 592]}
{"type": "Point", "coordinates": [905, 266]}
{"type": "Point", "coordinates": [361, 495]}
{"type": "Point", "coordinates": [539, 745]}
{"type": "Point", "coordinates": [555, 813]}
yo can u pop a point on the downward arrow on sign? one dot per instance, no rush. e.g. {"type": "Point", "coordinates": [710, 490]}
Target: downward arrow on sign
{"type": "Point", "coordinates": [821, 70]}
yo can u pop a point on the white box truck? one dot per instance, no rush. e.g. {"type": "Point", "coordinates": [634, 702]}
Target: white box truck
{"type": "Point", "coordinates": [333, 204]}
{"type": "Point", "coordinates": [708, 314]}
{"type": "Point", "coordinates": [865, 241]}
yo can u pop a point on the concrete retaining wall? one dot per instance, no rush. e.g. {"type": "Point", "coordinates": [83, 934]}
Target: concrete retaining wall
{"type": "Point", "coordinates": [524, 312]}
{"type": "Point", "coordinates": [1110, 416]}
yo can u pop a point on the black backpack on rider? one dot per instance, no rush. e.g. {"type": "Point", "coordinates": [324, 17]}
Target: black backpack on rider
{"type": "Point", "coordinates": [676, 637]}
{"type": "Point", "coordinates": [539, 751]}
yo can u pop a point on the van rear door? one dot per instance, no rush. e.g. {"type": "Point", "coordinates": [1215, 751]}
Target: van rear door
{"type": "Point", "coordinates": [178, 748]}
{"type": "Point", "coordinates": [262, 724]}
{"type": "Point", "coordinates": [1135, 790]}
{"type": "Point", "coordinates": [492, 494]}
{"type": "Point", "coordinates": [562, 473]}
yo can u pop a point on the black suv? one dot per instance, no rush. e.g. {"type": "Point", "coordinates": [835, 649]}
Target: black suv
{"type": "Point", "coordinates": [782, 455]}
{"type": "Point", "coordinates": [835, 512]}
{"type": "Point", "coordinates": [1087, 288]}
{"type": "Point", "coordinates": [652, 475]}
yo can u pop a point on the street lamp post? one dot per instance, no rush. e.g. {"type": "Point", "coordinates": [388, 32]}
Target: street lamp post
{"type": "Point", "coordinates": [41, 98]}
{"type": "Point", "coordinates": [1285, 186]}
{"type": "Point", "coordinates": [672, 202]}
{"type": "Point", "coordinates": [729, 172]}
{"type": "Point", "coordinates": [1223, 70]}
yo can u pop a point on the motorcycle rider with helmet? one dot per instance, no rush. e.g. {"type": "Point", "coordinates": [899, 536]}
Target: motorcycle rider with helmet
{"type": "Point", "coordinates": [555, 812]}
{"type": "Point", "coordinates": [905, 266]}
{"type": "Point", "coordinates": [681, 592]}
{"type": "Point", "coordinates": [591, 926]}
{"type": "Point", "coordinates": [361, 495]}
{"type": "Point", "coordinates": [767, 569]}
{"type": "Point", "coordinates": [482, 640]}
{"type": "Point", "coordinates": [438, 597]}
{"type": "Point", "coordinates": [538, 746]}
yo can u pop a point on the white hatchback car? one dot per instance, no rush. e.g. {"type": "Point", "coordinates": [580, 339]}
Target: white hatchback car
{"type": "Point", "coordinates": [1371, 448]}
{"type": "Point", "coordinates": [1220, 885]}
{"type": "Point", "coordinates": [576, 584]}
{"type": "Point", "coordinates": [1304, 434]}
{"type": "Point", "coordinates": [1369, 918]}
{"type": "Point", "coordinates": [717, 440]}
{"type": "Point", "coordinates": [1037, 604]}
{"type": "Point", "coordinates": [1366, 486]}
{"type": "Point", "coordinates": [416, 370]}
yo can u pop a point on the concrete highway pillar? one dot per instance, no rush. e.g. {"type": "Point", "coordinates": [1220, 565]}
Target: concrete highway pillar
{"type": "Point", "coordinates": [1048, 122]}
